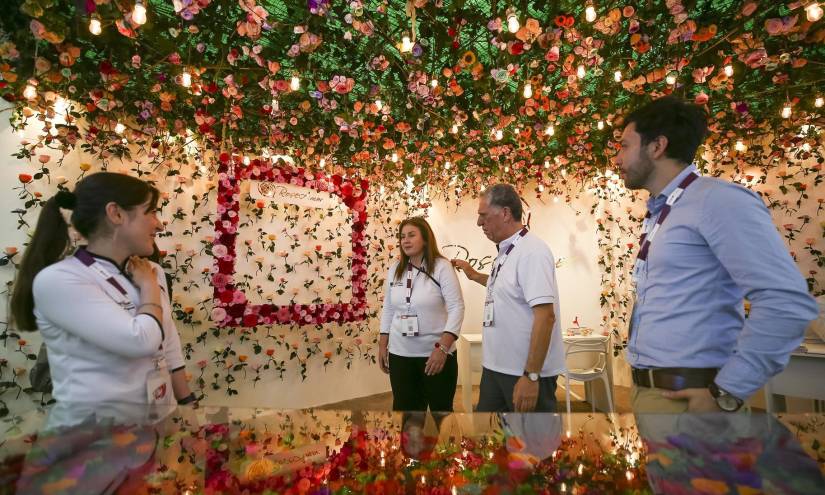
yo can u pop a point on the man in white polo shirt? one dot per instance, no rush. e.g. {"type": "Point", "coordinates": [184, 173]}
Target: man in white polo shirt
{"type": "Point", "coordinates": [523, 349]}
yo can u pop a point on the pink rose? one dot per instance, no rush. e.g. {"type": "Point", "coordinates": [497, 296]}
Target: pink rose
{"type": "Point", "coordinates": [218, 315]}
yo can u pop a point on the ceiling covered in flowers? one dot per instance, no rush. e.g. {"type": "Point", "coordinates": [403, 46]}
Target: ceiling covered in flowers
{"type": "Point", "coordinates": [443, 91]}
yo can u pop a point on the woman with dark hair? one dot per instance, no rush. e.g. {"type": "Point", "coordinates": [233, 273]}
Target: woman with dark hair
{"type": "Point", "coordinates": [107, 327]}
{"type": "Point", "coordinates": [421, 320]}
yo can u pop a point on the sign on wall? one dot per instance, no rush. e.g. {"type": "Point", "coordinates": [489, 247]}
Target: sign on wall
{"type": "Point", "coordinates": [292, 194]}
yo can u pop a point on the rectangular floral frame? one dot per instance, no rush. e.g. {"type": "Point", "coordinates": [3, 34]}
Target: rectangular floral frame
{"type": "Point", "coordinates": [231, 307]}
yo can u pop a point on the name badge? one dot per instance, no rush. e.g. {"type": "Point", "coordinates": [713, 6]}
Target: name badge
{"type": "Point", "coordinates": [488, 313]}
{"type": "Point", "coordinates": [409, 325]}
{"type": "Point", "coordinates": [158, 387]}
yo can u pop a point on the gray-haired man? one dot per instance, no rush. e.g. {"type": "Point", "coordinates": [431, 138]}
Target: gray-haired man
{"type": "Point", "coordinates": [523, 349]}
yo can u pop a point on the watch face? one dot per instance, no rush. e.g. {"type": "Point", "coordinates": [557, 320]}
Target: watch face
{"type": "Point", "coordinates": [533, 377]}
{"type": "Point", "coordinates": [727, 403]}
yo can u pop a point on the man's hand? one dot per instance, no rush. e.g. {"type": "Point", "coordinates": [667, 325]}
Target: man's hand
{"type": "Point", "coordinates": [699, 399]}
{"type": "Point", "coordinates": [525, 395]}
{"type": "Point", "coordinates": [464, 266]}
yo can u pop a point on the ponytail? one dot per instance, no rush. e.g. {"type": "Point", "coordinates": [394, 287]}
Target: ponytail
{"type": "Point", "coordinates": [47, 246]}
{"type": "Point", "coordinates": [51, 235]}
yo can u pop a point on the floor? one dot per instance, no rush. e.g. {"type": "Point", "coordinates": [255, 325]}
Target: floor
{"type": "Point", "coordinates": [383, 402]}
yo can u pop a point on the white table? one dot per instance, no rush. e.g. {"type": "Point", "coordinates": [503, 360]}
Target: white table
{"type": "Point", "coordinates": [469, 344]}
{"type": "Point", "coordinates": [804, 377]}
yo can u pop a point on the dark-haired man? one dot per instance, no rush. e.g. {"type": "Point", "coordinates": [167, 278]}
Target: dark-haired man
{"type": "Point", "coordinates": [707, 244]}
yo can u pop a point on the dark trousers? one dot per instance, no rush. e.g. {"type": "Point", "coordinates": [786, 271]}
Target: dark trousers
{"type": "Point", "coordinates": [496, 392]}
{"type": "Point", "coordinates": [412, 390]}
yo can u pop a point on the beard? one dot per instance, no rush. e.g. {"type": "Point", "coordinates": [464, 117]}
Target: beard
{"type": "Point", "coordinates": [638, 174]}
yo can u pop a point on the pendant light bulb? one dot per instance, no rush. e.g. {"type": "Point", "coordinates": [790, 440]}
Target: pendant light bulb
{"type": "Point", "coordinates": [139, 13]}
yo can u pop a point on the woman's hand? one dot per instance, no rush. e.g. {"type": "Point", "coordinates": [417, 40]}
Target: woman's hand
{"type": "Point", "coordinates": [143, 272]}
{"type": "Point", "coordinates": [435, 363]}
{"type": "Point", "coordinates": [384, 353]}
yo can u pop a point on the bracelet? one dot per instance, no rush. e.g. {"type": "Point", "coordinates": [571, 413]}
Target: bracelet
{"type": "Point", "coordinates": [188, 399]}
{"type": "Point", "coordinates": [151, 304]}
{"type": "Point", "coordinates": [441, 348]}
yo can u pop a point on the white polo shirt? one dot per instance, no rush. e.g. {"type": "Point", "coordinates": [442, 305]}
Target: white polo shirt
{"type": "Point", "coordinates": [99, 351]}
{"type": "Point", "coordinates": [527, 279]}
{"type": "Point", "coordinates": [439, 309]}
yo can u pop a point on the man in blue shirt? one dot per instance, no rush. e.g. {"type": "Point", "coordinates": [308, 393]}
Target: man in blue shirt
{"type": "Point", "coordinates": [707, 245]}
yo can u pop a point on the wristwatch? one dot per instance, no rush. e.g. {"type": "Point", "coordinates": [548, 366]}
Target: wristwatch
{"type": "Point", "coordinates": [725, 401]}
{"type": "Point", "coordinates": [533, 377]}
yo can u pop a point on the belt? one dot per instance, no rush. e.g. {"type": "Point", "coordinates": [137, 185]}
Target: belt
{"type": "Point", "coordinates": [674, 378]}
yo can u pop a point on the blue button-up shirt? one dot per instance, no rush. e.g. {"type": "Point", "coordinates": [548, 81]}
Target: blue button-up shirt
{"type": "Point", "coordinates": [717, 247]}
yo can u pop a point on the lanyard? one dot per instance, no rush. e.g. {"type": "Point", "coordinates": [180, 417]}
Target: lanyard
{"type": "Point", "coordinates": [648, 232]}
{"type": "Point", "coordinates": [89, 261]}
{"type": "Point", "coordinates": [409, 285]}
{"type": "Point", "coordinates": [497, 268]}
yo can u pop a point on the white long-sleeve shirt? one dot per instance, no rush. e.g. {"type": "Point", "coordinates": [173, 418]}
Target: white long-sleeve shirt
{"type": "Point", "coordinates": [99, 351]}
{"type": "Point", "coordinates": [439, 309]}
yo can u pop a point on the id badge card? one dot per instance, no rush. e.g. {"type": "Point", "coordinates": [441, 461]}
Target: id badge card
{"type": "Point", "coordinates": [158, 387]}
{"type": "Point", "coordinates": [488, 313]}
{"type": "Point", "coordinates": [409, 325]}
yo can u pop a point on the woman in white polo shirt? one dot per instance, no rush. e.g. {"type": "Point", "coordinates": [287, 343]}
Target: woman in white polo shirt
{"type": "Point", "coordinates": [106, 323]}
{"type": "Point", "coordinates": [421, 320]}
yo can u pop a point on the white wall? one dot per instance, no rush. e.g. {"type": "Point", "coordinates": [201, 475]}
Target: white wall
{"type": "Point", "coordinates": [570, 235]}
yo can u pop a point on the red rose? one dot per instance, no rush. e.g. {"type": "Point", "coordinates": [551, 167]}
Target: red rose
{"type": "Point", "coordinates": [25, 178]}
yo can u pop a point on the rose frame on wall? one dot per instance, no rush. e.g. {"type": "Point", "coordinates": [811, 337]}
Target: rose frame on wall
{"type": "Point", "coordinates": [231, 306]}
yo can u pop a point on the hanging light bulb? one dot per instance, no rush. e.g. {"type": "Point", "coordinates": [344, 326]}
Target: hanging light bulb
{"type": "Point", "coordinates": [600, 125]}
{"type": "Point", "coordinates": [394, 158]}
{"type": "Point", "coordinates": [406, 44]}
{"type": "Point", "coordinates": [729, 70]}
{"type": "Point", "coordinates": [295, 83]}
{"type": "Point", "coordinates": [246, 160]}
{"type": "Point", "coordinates": [186, 79]}
{"type": "Point", "coordinates": [119, 128]}
{"type": "Point", "coordinates": [379, 104]}
{"type": "Point", "coordinates": [818, 102]}
{"type": "Point", "coordinates": [447, 165]}
{"type": "Point", "coordinates": [322, 163]}
{"type": "Point", "coordinates": [499, 134]}
{"type": "Point", "coordinates": [94, 25]}
{"type": "Point", "coordinates": [512, 22]}
{"type": "Point", "coordinates": [434, 83]}
{"type": "Point", "coordinates": [813, 11]}
{"type": "Point", "coordinates": [671, 79]}
{"type": "Point", "coordinates": [546, 163]}
{"type": "Point", "coordinates": [528, 90]}
{"type": "Point", "coordinates": [590, 13]}
{"type": "Point", "coordinates": [30, 92]}
{"type": "Point", "coordinates": [275, 105]}
{"type": "Point", "coordinates": [580, 72]}
{"type": "Point", "coordinates": [139, 13]}
{"type": "Point", "coordinates": [418, 170]}
{"type": "Point", "coordinates": [786, 111]}
{"type": "Point", "coordinates": [740, 146]}
{"type": "Point", "coordinates": [549, 130]}
{"type": "Point", "coordinates": [617, 76]}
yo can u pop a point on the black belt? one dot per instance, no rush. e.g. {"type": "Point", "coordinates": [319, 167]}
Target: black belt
{"type": "Point", "coordinates": [674, 378]}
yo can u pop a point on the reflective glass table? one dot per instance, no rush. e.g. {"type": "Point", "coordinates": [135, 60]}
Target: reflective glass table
{"type": "Point", "coordinates": [121, 448]}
